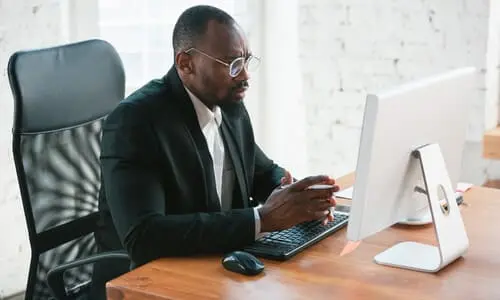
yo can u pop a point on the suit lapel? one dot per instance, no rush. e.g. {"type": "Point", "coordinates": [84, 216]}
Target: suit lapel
{"type": "Point", "coordinates": [193, 130]}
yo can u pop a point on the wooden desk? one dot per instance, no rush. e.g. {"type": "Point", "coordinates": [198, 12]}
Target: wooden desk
{"type": "Point", "coordinates": [320, 273]}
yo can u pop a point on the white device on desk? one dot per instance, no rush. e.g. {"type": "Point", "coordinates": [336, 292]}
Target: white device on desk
{"type": "Point", "coordinates": [410, 156]}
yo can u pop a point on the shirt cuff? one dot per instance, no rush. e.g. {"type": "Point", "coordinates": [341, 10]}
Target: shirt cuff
{"type": "Point", "coordinates": [258, 234]}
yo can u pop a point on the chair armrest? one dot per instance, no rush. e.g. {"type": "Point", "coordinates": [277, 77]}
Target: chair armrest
{"type": "Point", "coordinates": [55, 279]}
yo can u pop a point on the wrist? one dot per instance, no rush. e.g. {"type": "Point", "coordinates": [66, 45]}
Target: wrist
{"type": "Point", "coordinates": [263, 218]}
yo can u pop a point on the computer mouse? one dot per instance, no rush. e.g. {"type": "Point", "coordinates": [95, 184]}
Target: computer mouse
{"type": "Point", "coordinates": [242, 262]}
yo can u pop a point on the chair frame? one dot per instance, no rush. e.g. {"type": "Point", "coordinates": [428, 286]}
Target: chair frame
{"type": "Point", "coordinates": [51, 238]}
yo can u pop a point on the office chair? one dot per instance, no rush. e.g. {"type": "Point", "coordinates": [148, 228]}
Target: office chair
{"type": "Point", "coordinates": [62, 95]}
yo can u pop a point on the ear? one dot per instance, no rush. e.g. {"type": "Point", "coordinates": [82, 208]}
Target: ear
{"type": "Point", "coordinates": [184, 63]}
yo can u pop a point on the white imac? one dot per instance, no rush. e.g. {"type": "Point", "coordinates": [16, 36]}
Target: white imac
{"type": "Point", "coordinates": [410, 156]}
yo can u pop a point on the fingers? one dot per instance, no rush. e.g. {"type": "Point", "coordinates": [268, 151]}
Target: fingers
{"type": "Point", "coordinates": [329, 218]}
{"type": "Point", "coordinates": [287, 179]}
{"type": "Point", "coordinates": [330, 181]}
{"type": "Point", "coordinates": [317, 207]}
{"type": "Point", "coordinates": [320, 214]}
{"type": "Point", "coordinates": [324, 204]}
{"type": "Point", "coordinates": [317, 194]}
{"type": "Point", "coordinates": [315, 200]}
{"type": "Point", "coordinates": [308, 181]}
{"type": "Point", "coordinates": [313, 180]}
{"type": "Point", "coordinates": [333, 201]}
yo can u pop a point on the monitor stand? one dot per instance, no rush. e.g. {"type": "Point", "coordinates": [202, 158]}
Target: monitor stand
{"type": "Point", "coordinates": [452, 240]}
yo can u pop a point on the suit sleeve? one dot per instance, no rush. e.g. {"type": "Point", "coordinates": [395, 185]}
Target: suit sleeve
{"type": "Point", "coordinates": [136, 198]}
{"type": "Point", "coordinates": [267, 175]}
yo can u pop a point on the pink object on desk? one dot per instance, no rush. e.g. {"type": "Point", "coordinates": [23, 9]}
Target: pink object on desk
{"type": "Point", "coordinates": [463, 187]}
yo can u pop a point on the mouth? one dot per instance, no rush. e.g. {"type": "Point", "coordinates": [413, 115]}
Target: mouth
{"type": "Point", "coordinates": [240, 90]}
{"type": "Point", "coordinates": [239, 93]}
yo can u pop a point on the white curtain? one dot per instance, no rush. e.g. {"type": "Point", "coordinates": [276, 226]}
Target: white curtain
{"type": "Point", "coordinates": [493, 68]}
{"type": "Point", "coordinates": [275, 100]}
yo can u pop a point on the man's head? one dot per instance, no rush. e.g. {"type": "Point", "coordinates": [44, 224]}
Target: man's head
{"type": "Point", "coordinates": [206, 41]}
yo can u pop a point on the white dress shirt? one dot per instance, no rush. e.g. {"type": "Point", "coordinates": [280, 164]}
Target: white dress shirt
{"type": "Point", "coordinates": [210, 122]}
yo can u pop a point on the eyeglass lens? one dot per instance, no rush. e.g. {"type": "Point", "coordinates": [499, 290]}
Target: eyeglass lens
{"type": "Point", "coordinates": [251, 64]}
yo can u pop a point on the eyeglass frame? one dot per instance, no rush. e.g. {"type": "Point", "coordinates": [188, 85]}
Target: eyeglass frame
{"type": "Point", "coordinates": [245, 64]}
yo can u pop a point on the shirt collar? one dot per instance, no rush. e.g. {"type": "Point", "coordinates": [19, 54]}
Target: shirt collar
{"type": "Point", "coordinates": [204, 114]}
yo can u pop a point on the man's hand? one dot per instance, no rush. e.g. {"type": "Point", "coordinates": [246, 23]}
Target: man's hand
{"type": "Point", "coordinates": [287, 179]}
{"type": "Point", "coordinates": [295, 203]}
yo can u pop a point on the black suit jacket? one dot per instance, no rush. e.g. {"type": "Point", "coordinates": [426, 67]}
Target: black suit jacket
{"type": "Point", "coordinates": [158, 195]}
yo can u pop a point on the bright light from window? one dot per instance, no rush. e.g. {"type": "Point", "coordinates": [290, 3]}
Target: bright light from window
{"type": "Point", "coordinates": [141, 31]}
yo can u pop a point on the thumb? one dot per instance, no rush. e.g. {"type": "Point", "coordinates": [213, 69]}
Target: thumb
{"type": "Point", "coordinates": [287, 179]}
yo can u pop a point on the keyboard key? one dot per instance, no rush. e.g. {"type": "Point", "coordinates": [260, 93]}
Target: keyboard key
{"type": "Point", "coordinates": [284, 244]}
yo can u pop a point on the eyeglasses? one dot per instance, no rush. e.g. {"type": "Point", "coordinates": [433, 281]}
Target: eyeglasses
{"type": "Point", "coordinates": [250, 63]}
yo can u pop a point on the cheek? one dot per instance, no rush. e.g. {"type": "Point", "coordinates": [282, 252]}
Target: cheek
{"type": "Point", "coordinates": [221, 82]}
{"type": "Point", "coordinates": [216, 82]}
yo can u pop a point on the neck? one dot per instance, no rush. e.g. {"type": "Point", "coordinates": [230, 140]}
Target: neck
{"type": "Point", "coordinates": [195, 92]}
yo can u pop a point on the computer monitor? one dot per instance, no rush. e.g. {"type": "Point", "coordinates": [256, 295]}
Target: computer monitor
{"type": "Point", "coordinates": [427, 117]}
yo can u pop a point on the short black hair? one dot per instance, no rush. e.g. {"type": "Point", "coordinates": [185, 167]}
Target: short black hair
{"type": "Point", "coordinates": [192, 24]}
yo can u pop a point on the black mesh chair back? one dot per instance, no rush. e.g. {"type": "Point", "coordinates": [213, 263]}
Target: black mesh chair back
{"type": "Point", "coordinates": [62, 95]}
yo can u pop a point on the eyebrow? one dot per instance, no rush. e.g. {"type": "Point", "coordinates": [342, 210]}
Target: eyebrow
{"type": "Point", "coordinates": [231, 57]}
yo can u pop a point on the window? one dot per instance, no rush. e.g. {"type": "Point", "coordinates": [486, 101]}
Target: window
{"type": "Point", "coordinates": [141, 32]}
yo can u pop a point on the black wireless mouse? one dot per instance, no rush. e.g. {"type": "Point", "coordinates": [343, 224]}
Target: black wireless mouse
{"type": "Point", "coordinates": [242, 263]}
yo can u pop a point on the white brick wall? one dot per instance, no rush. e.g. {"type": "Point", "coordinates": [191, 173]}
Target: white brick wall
{"type": "Point", "coordinates": [350, 47]}
{"type": "Point", "coordinates": [346, 48]}
{"type": "Point", "coordinates": [23, 24]}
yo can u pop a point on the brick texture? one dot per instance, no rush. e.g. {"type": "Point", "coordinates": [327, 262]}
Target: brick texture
{"type": "Point", "coordinates": [351, 47]}
{"type": "Point", "coordinates": [23, 25]}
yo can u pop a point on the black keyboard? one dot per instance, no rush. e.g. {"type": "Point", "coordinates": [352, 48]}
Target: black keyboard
{"type": "Point", "coordinates": [282, 245]}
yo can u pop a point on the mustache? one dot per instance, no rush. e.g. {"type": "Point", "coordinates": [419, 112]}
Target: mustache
{"type": "Point", "coordinates": [241, 85]}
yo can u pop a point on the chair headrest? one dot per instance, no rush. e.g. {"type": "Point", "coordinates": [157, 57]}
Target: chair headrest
{"type": "Point", "coordinates": [64, 86]}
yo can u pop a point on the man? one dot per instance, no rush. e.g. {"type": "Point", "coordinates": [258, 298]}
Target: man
{"type": "Point", "coordinates": [181, 172]}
